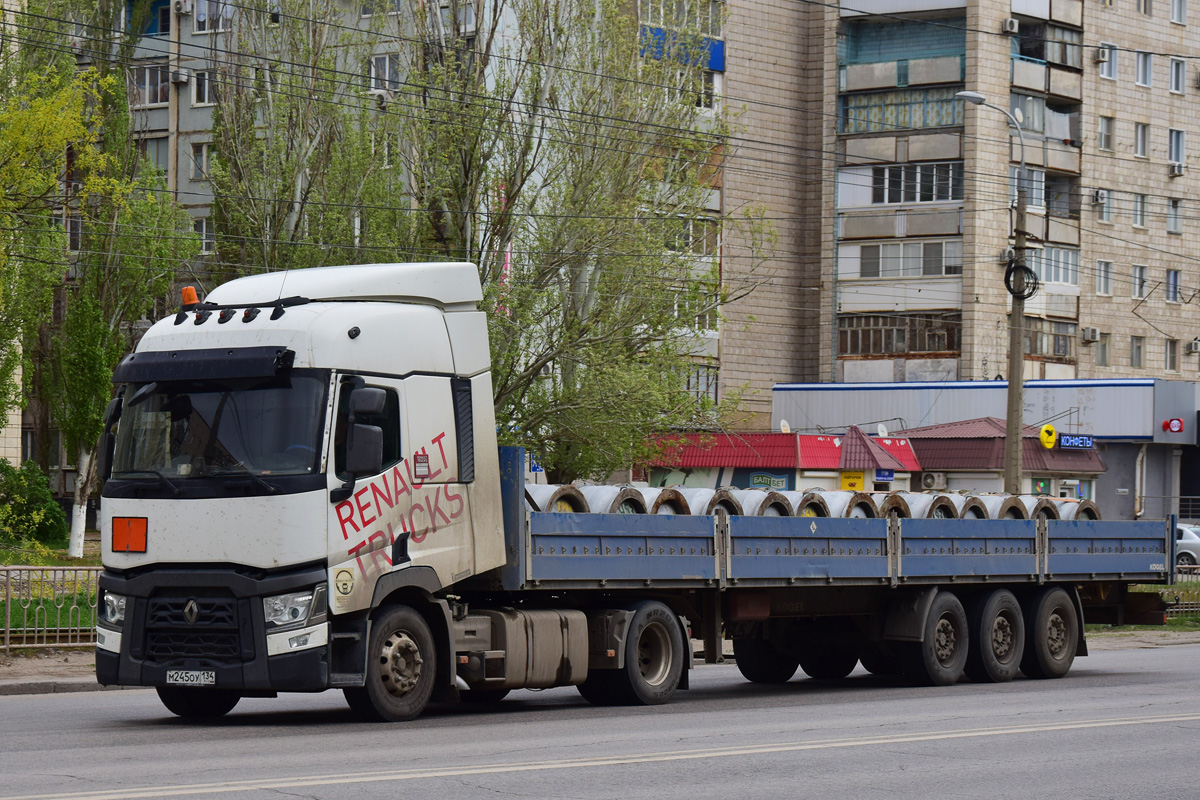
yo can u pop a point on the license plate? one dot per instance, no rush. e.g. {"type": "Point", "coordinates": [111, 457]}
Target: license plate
{"type": "Point", "coordinates": [191, 677]}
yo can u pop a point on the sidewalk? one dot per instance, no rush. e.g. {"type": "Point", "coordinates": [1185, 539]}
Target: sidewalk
{"type": "Point", "coordinates": [51, 671]}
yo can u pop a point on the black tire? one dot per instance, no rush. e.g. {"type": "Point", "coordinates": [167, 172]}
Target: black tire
{"type": "Point", "coordinates": [401, 668]}
{"type": "Point", "coordinates": [599, 688]}
{"type": "Point", "coordinates": [878, 659]}
{"type": "Point", "coordinates": [826, 661]}
{"type": "Point", "coordinates": [997, 637]}
{"type": "Point", "coordinates": [192, 702]}
{"type": "Point", "coordinates": [760, 661]}
{"type": "Point", "coordinates": [653, 657]}
{"type": "Point", "coordinates": [483, 696]}
{"type": "Point", "coordinates": [1051, 634]}
{"type": "Point", "coordinates": [939, 659]}
{"type": "Point", "coordinates": [1185, 560]}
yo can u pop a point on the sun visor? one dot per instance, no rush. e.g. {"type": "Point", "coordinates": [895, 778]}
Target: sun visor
{"type": "Point", "coordinates": [216, 363]}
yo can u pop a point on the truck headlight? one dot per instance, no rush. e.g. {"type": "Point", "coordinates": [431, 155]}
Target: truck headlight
{"type": "Point", "coordinates": [295, 609]}
{"type": "Point", "coordinates": [112, 610]}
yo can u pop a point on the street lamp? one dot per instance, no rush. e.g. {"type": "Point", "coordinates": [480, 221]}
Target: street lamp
{"type": "Point", "coordinates": [1015, 279]}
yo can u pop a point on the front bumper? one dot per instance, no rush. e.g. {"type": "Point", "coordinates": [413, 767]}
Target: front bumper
{"type": "Point", "coordinates": [227, 636]}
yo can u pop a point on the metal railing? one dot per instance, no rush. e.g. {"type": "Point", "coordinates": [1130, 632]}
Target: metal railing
{"type": "Point", "coordinates": [48, 606]}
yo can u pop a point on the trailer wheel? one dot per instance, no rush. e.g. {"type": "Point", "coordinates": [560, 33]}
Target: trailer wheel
{"type": "Point", "coordinates": [878, 659]}
{"type": "Point", "coordinates": [400, 668]}
{"type": "Point", "coordinates": [940, 658]}
{"type": "Point", "coordinates": [760, 661]}
{"type": "Point", "coordinates": [1052, 636]}
{"type": "Point", "coordinates": [997, 638]}
{"type": "Point", "coordinates": [827, 661]}
{"type": "Point", "coordinates": [191, 702]}
{"type": "Point", "coordinates": [653, 657]}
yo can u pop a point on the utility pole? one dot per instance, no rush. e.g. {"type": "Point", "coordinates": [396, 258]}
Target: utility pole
{"type": "Point", "coordinates": [1021, 283]}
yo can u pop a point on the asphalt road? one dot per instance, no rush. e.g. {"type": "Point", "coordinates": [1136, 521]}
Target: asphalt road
{"type": "Point", "coordinates": [1123, 724]}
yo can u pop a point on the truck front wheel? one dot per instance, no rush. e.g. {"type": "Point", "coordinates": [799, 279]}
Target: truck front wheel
{"type": "Point", "coordinates": [400, 668]}
{"type": "Point", "coordinates": [190, 702]}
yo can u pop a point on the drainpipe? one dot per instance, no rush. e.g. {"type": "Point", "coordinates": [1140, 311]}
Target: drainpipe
{"type": "Point", "coordinates": [1139, 467]}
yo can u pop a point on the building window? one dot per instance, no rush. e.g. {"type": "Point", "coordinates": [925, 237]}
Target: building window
{"type": "Point", "coordinates": [370, 7]}
{"type": "Point", "coordinates": [383, 72]}
{"type": "Point", "coordinates": [1141, 139]}
{"type": "Point", "coordinates": [201, 153]}
{"type": "Point", "coordinates": [902, 108]}
{"type": "Point", "coordinates": [1174, 215]}
{"type": "Point", "coordinates": [700, 16]}
{"type": "Point", "coordinates": [1178, 75]}
{"type": "Point", "coordinates": [164, 20]}
{"type": "Point", "coordinates": [1139, 210]}
{"type": "Point", "coordinates": [1138, 282]}
{"type": "Point", "coordinates": [1054, 265]}
{"type": "Point", "coordinates": [1171, 355]}
{"type": "Point", "coordinates": [1137, 351]}
{"type": "Point", "coordinates": [1104, 210]}
{"type": "Point", "coordinates": [1033, 111]}
{"type": "Point", "coordinates": [156, 151]}
{"type": "Point", "coordinates": [1104, 277]}
{"type": "Point", "coordinates": [1050, 339]}
{"type": "Point", "coordinates": [74, 227]}
{"type": "Point", "coordinates": [702, 382]}
{"type": "Point", "coordinates": [1102, 350]}
{"type": "Point", "coordinates": [149, 85]}
{"type": "Point", "coordinates": [696, 87]}
{"type": "Point", "coordinates": [212, 16]}
{"type": "Point", "coordinates": [917, 183]}
{"type": "Point", "coordinates": [1172, 286]}
{"type": "Point", "coordinates": [1063, 46]}
{"type": "Point", "coordinates": [883, 334]}
{"type": "Point", "coordinates": [1108, 69]}
{"type": "Point", "coordinates": [1108, 126]}
{"type": "Point", "coordinates": [1145, 69]}
{"type": "Point", "coordinates": [910, 259]}
{"type": "Point", "coordinates": [1143, 7]}
{"type": "Point", "coordinates": [1176, 147]}
{"type": "Point", "coordinates": [203, 91]}
{"type": "Point", "coordinates": [696, 235]}
{"type": "Point", "coordinates": [208, 237]}
{"type": "Point", "coordinates": [1179, 11]}
{"type": "Point", "coordinates": [1035, 186]}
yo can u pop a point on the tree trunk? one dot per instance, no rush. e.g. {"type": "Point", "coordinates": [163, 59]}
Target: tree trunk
{"type": "Point", "coordinates": [84, 481]}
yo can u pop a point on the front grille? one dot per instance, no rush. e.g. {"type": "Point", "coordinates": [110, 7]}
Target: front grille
{"type": "Point", "coordinates": [211, 612]}
{"type": "Point", "coordinates": [162, 646]}
{"type": "Point", "coordinates": [212, 634]}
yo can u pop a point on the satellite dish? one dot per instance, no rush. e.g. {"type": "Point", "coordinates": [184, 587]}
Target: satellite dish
{"type": "Point", "coordinates": [784, 427]}
{"type": "Point", "coordinates": [1018, 115]}
{"type": "Point", "coordinates": [882, 431]}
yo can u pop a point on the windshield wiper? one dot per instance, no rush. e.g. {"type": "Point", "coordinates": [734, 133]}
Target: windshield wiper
{"type": "Point", "coordinates": [163, 480]}
{"type": "Point", "coordinates": [242, 472]}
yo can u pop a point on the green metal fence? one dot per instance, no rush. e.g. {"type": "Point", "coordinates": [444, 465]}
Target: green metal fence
{"type": "Point", "coordinates": [48, 606]}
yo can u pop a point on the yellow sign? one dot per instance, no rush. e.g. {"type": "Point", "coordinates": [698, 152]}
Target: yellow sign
{"type": "Point", "coordinates": [1049, 436]}
{"type": "Point", "coordinates": [853, 481]}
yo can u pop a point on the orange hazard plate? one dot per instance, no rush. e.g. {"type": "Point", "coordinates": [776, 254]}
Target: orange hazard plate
{"type": "Point", "coordinates": [129, 534]}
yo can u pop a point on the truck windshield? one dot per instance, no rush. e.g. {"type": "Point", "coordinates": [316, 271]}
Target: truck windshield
{"type": "Point", "coordinates": [181, 430]}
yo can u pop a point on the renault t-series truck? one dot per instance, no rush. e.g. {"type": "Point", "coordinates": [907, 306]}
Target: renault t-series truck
{"type": "Point", "coordinates": [304, 492]}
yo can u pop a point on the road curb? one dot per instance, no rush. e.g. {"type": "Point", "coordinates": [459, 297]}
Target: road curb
{"type": "Point", "coordinates": [62, 686]}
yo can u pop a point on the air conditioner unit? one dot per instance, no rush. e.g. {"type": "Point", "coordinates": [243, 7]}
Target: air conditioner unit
{"type": "Point", "coordinates": [382, 98]}
{"type": "Point", "coordinates": [180, 76]}
{"type": "Point", "coordinates": [1090, 335]}
{"type": "Point", "coordinates": [1100, 196]}
{"type": "Point", "coordinates": [1101, 55]}
{"type": "Point", "coordinates": [1175, 170]}
{"type": "Point", "coordinates": [1007, 255]}
{"type": "Point", "coordinates": [183, 6]}
{"type": "Point", "coordinates": [1010, 25]}
{"type": "Point", "coordinates": [1193, 346]}
{"type": "Point", "coordinates": [933, 480]}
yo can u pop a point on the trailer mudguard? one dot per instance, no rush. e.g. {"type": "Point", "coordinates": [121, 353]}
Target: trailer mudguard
{"type": "Point", "coordinates": [906, 615]}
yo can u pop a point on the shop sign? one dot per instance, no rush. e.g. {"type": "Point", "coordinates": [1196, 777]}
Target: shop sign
{"type": "Point", "coordinates": [1075, 441]}
{"type": "Point", "coordinates": [768, 481]}
{"type": "Point", "coordinates": [853, 481]}
{"type": "Point", "coordinates": [885, 475]}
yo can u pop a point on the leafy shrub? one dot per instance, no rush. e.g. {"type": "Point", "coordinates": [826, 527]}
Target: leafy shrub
{"type": "Point", "coordinates": [28, 512]}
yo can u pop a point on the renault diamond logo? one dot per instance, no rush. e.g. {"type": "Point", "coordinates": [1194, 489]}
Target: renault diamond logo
{"type": "Point", "coordinates": [191, 611]}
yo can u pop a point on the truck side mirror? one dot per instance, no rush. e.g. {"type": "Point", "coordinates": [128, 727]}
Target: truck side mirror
{"type": "Point", "coordinates": [364, 449]}
{"type": "Point", "coordinates": [367, 402]}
